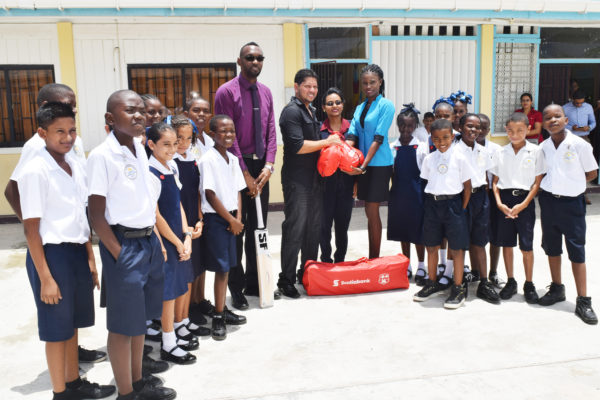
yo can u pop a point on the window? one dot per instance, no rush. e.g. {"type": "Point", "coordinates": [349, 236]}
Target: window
{"type": "Point", "coordinates": [173, 82]}
{"type": "Point", "coordinates": [570, 43]}
{"type": "Point", "coordinates": [19, 86]}
{"type": "Point", "coordinates": [337, 43]}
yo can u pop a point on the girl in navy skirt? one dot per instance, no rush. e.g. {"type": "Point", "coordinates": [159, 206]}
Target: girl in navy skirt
{"type": "Point", "coordinates": [189, 177]}
{"type": "Point", "coordinates": [177, 239]}
{"type": "Point", "coordinates": [405, 207]}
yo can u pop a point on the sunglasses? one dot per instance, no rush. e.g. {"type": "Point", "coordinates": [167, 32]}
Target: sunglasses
{"type": "Point", "coordinates": [330, 103]}
{"type": "Point", "coordinates": [251, 58]}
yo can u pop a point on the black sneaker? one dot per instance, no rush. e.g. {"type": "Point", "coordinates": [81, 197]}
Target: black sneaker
{"type": "Point", "coordinates": [583, 309]}
{"type": "Point", "coordinates": [555, 294]}
{"type": "Point", "coordinates": [233, 319]}
{"type": "Point", "coordinates": [485, 291]}
{"type": "Point", "coordinates": [430, 288]}
{"type": "Point", "coordinates": [219, 329]}
{"type": "Point", "coordinates": [152, 366]}
{"type": "Point", "coordinates": [89, 390]}
{"type": "Point", "coordinates": [509, 290]}
{"type": "Point", "coordinates": [531, 296]}
{"type": "Point", "coordinates": [458, 295]}
{"type": "Point", "coordinates": [470, 276]}
{"type": "Point", "coordinates": [495, 280]}
{"type": "Point", "coordinates": [156, 393]}
{"type": "Point", "coordinates": [90, 356]}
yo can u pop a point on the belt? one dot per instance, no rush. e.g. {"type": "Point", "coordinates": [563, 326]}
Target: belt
{"type": "Point", "coordinates": [132, 233]}
{"type": "Point", "coordinates": [559, 196]}
{"type": "Point", "coordinates": [440, 197]}
{"type": "Point", "coordinates": [250, 156]}
{"type": "Point", "coordinates": [478, 189]}
{"type": "Point", "coordinates": [516, 192]}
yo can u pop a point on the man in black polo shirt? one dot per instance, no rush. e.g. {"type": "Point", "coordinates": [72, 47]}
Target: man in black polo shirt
{"type": "Point", "coordinates": [300, 180]}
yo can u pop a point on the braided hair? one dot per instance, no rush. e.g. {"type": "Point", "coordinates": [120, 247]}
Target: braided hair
{"type": "Point", "coordinates": [375, 69]}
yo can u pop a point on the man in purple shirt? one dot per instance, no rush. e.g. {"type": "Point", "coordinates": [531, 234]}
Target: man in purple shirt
{"type": "Point", "coordinates": [250, 104]}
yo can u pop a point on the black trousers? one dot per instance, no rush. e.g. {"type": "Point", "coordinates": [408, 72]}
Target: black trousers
{"type": "Point", "coordinates": [238, 280]}
{"type": "Point", "coordinates": [337, 208]}
{"type": "Point", "coordinates": [301, 227]}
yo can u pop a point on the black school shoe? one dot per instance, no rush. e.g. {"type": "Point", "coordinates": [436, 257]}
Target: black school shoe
{"type": "Point", "coordinates": [199, 331]}
{"type": "Point", "coordinates": [88, 390]}
{"type": "Point", "coordinates": [531, 296]}
{"type": "Point", "coordinates": [152, 366]}
{"type": "Point", "coordinates": [430, 288]}
{"type": "Point", "coordinates": [158, 336]}
{"type": "Point", "coordinates": [509, 290]}
{"type": "Point", "coordinates": [420, 279]}
{"type": "Point", "coordinates": [288, 290]}
{"type": "Point", "coordinates": [219, 329]}
{"type": "Point", "coordinates": [458, 295]}
{"type": "Point", "coordinates": [90, 356]}
{"type": "Point", "coordinates": [186, 359]}
{"type": "Point", "coordinates": [583, 309]}
{"type": "Point", "coordinates": [495, 280]}
{"type": "Point", "coordinates": [238, 301]}
{"type": "Point", "coordinates": [233, 319]}
{"type": "Point", "coordinates": [555, 294]}
{"type": "Point", "coordinates": [485, 291]}
{"type": "Point", "coordinates": [155, 393]}
{"type": "Point", "coordinates": [152, 380]}
{"type": "Point", "coordinates": [206, 308]}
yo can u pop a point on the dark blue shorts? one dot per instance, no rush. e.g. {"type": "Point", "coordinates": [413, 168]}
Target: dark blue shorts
{"type": "Point", "coordinates": [478, 214]}
{"type": "Point", "coordinates": [219, 250]}
{"type": "Point", "coordinates": [197, 259]}
{"type": "Point", "coordinates": [493, 225]}
{"type": "Point", "coordinates": [132, 285]}
{"type": "Point", "coordinates": [177, 273]}
{"type": "Point", "coordinates": [445, 219]}
{"type": "Point", "coordinates": [563, 216]}
{"type": "Point", "coordinates": [508, 229]}
{"type": "Point", "coordinates": [68, 263]}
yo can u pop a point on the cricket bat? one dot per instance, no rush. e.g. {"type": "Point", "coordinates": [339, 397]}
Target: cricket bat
{"type": "Point", "coordinates": [266, 282]}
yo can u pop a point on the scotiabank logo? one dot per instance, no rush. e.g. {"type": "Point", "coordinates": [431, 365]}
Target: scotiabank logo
{"type": "Point", "coordinates": [337, 282]}
{"type": "Point", "coordinates": [384, 279]}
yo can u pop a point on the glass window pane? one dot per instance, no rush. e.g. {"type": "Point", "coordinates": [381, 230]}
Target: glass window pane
{"type": "Point", "coordinates": [570, 43]}
{"type": "Point", "coordinates": [164, 83]}
{"type": "Point", "coordinates": [4, 111]}
{"type": "Point", "coordinates": [24, 87]}
{"type": "Point", "coordinates": [206, 80]}
{"type": "Point", "coordinates": [332, 43]}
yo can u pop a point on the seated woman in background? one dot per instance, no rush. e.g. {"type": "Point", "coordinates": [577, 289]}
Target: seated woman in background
{"type": "Point", "coordinates": [534, 116]}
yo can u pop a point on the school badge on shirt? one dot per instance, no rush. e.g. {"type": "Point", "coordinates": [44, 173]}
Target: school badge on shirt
{"type": "Point", "coordinates": [442, 168]}
{"type": "Point", "coordinates": [130, 171]}
{"type": "Point", "coordinates": [78, 151]}
{"type": "Point", "coordinates": [528, 161]}
{"type": "Point", "coordinates": [569, 155]}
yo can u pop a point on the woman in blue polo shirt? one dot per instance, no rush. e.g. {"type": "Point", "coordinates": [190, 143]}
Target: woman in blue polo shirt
{"type": "Point", "coordinates": [369, 132]}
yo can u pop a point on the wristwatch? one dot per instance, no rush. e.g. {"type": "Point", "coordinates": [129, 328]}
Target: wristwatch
{"type": "Point", "coordinates": [271, 168]}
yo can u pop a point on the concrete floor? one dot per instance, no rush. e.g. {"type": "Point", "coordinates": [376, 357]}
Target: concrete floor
{"type": "Point", "coordinates": [370, 346]}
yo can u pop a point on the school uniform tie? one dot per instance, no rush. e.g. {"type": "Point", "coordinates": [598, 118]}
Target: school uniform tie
{"type": "Point", "coordinates": [260, 146]}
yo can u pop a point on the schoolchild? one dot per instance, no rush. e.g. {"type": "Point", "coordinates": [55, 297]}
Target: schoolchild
{"type": "Point", "coordinates": [338, 188]}
{"type": "Point", "coordinates": [405, 207]}
{"type": "Point", "coordinates": [428, 119]}
{"type": "Point", "coordinates": [123, 195]}
{"type": "Point", "coordinates": [518, 171]}
{"type": "Point", "coordinates": [153, 108]}
{"type": "Point", "coordinates": [570, 164]}
{"type": "Point", "coordinates": [177, 240]}
{"type": "Point", "coordinates": [479, 205]}
{"type": "Point", "coordinates": [493, 231]}
{"type": "Point", "coordinates": [448, 174]}
{"type": "Point", "coordinates": [461, 101]}
{"type": "Point", "coordinates": [53, 188]}
{"type": "Point", "coordinates": [189, 177]}
{"type": "Point", "coordinates": [197, 110]}
{"type": "Point", "coordinates": [60, 93]}
{"type": "Point", "coordinates": [221, 180]}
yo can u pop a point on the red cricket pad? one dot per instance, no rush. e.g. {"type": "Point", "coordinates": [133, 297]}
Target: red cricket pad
{"type": "Point", "coordinates": [329, 160]}
{"type": "Point", "coordinates": [360, 276]}
{"type": "Point", "coordinates": [351, 157]}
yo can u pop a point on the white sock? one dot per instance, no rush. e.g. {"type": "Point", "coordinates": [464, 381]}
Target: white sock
{"type": "Point", "coordinates": [421, 264]}
{"type": "Point", "coordinates": [442, 256]}
{"type": "Point", "coordinates": [421, 271]}
{"type": "Point", "coordinates": [409, 271]}
{"type": "Point", "coordinates": [150, 331]}
{"type": "Point", "coordinates": [148, 322]}
{"type": "Point", "coordinates": [182, 331]}
{"type": "Point", "coordinates": [169, 341]}
{"type": "Point", "coordinates": [444, 280]}
{"type": "Point", "coordinates": [190, 324]}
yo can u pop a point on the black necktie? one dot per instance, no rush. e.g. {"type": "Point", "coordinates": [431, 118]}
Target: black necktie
{"type": "Point", "coordinates": [260, 146]}
{"type": "Point", "coordinates": [363, 115]}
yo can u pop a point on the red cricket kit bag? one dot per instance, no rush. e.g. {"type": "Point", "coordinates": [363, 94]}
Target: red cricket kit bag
{"type": "Point", "coordinates": [360, 276]}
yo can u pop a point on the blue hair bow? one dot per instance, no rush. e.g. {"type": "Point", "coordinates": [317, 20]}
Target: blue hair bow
{"type": "Point", "coordinates": [462, 97]}
{"type": "Point", "coordinates": [409, 107]}
{"type": "Point", "coordinates": [441, 100]}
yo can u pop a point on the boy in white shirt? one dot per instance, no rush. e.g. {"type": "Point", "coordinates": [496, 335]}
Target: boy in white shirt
{"type": "Point", "coordinates": [518, 171]}
{"type": "Point", "coordinates": [53, 187]}
{"type": "Point", "coordinates": [221, 180]}
{"type": "Point", "coordinates": [570, 164]}
{"type": "Point", "coordinates": [448, 174]}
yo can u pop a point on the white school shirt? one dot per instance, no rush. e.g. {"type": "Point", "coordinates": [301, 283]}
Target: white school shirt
{"type": "Point", "coordinates": [32, 147]}
{"type": "Point", "coordinates": [126, 182]}
{"type": "Point", "coordinates": [518, 171]}
{"type": "Point", "coordinates": [480, 159]}
{"type": "Point", "coordinates": [171, 170]}
{"type": "Point", "coordinates": [421, 153]}
{"type": "Point", "coordinates": [492, 149]}
{"type": "Point", "coordinates": [198, 149]}
{"type": "Point", "coordinates": [48, 192]}
{"type": "Point", "coordinates": [222, 177]}
{"type": "Point", "coordinates": [567, 165]}
{"type": "Point", "coordinates": [446, 172]}
{"type": "Point", "coordinates": [421, 134]}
